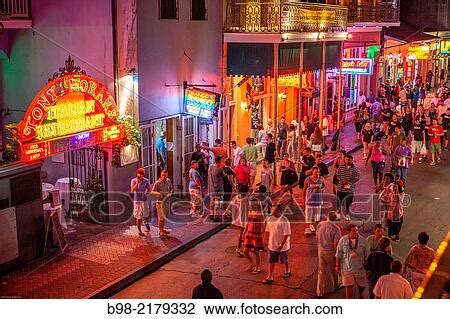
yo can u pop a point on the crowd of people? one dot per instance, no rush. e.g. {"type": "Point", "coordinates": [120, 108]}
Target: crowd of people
{"type": "Point", "coordinates": [395, 124]}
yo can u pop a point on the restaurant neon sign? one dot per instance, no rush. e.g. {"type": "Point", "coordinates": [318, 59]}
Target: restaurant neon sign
{"type": "Point", "coordinates": [200, 103]}
{"type": "Point", "coordinates": [357, 66]}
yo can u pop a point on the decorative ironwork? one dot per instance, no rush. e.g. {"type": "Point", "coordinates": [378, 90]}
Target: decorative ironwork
{"type": "Point", "coordinates": [68, 68]}
{"type": "Point", "coordinates": [269, 17]}
{"type": "Point", "coordinates": [368, 12]}
{"type": "Point", "coordinates": [14, 9]}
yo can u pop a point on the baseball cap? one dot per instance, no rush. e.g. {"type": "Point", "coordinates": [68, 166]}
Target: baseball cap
{"type": "Point", "coordinates": [140, 170]}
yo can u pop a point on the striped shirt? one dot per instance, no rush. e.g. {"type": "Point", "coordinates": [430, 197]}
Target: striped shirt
{"type": "Point", "coordinates": [348, 175]}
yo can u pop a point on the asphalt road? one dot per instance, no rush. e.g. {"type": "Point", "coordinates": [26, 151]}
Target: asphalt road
{"type": "Point", "coordinates": [429, 211]}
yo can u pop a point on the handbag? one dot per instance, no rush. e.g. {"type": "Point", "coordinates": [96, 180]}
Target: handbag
{"type": "Point", "coordinates": [423, 150]}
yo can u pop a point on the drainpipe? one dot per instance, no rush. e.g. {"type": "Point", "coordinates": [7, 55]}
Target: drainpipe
{"type": "Point", "coordinates": [115, 50]}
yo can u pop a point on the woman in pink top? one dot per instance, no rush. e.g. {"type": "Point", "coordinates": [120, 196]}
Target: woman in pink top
{"type": "Point", "coordinates": [377, 158]}
{"type": "Point", "coordinates": [242, 171]}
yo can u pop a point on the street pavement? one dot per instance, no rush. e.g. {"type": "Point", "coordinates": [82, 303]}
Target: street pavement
{"type": "Point", "coordinates": [429, 211]}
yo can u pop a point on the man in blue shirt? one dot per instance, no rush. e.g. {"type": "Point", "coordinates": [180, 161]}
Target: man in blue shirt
{"type": "Point", "coordinates": [195, 189]}
{"type": "Point", "coordinates": [140, 187]}
{"type": "Point", "coordinates": [161, 151]}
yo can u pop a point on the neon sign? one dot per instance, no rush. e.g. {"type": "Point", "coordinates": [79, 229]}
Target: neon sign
{"type": "Point", "coordinates": [357, 66]}
{"type": "Point", "coordinates": [418, 53]}
{"type": "Point", "coordinates": [444, 47]}
{"type": "Point", "coordinates": [200, 103]}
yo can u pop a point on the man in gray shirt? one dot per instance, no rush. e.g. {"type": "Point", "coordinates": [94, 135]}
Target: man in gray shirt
{"type": "Point", "coordinates": [328, 235]}
{"type": "Point", "coordinates": [162, 190]}
{"type": "Point", "coordinates": [216, 177]}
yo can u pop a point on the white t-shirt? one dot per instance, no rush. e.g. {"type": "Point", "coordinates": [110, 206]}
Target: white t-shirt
{"type": "Point", "coordinates": [435, 101]}
{"type": "Point", "coordinates": [237, 155]}
{"type": "Point", "coordinates": [361, 99]}
{"type": "Point", "coordinates": [277, 229]}
{"type": "Point", "coordinates": [325, 126]}
{"type": "Point", "coordinates": [393, 286]}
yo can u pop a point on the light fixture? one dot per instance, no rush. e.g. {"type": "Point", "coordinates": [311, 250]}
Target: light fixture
{"type": "Point", "coordinates": [283, 96]}
{"type": "Point", "coordinates": [284, 37]}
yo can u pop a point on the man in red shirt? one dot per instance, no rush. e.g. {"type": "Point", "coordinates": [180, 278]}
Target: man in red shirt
{"type": "Point", "coordinates": [435, 132]}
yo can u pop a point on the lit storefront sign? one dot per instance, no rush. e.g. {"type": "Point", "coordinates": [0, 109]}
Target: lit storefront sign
{"type": "Point", "coordinates": [444, 47]}
{"type": "Point", "coordinates": [357, 66]}
{"type": "Point", "coordinates": [418, 52]}
{"type": "Point", "coordinates": [200, 103]}
{"type": "Point", "coordinates": [71, 112]}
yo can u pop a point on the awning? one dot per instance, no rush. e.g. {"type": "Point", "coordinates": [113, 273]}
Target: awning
{"type": "Point", "coordinates": [408, 34]}
{"type": "Point", "coordinates": [250, 59]}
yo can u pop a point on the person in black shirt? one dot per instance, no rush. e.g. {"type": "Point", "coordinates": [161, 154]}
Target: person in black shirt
{"type": "Point", "coordinates": [307, 163]}
{"type": "Point", "coordinates": [270, 150]}
{"type": "Point", "coordinates": [378, 263]}
{"type": "Point", "coordinates": [446, 126]}
{"type": "Point", "coordinates": [407, 121]}
{"type": "Point", "coordinates": [323, 168]}
{"type": "Point", "coordinates": [199, 157]}
{"type": "Point", "coordinates": [386, 114]}
{"type": "Point", "coordinates": [419, 139]}
{"type": "Point", "coordinates": [206, 290]}
{"type": "Point", "coordinates": [229, 181]}
{"type": "Point", "coordinates": [282, 136]}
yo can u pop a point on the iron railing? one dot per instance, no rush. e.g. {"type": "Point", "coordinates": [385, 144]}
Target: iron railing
{"type": "Point", "coordinates": [269, 17]}
{"type": "Point", "coordinates": [15, 9]}
{"type": "Point", "coordinates": [368, 12]}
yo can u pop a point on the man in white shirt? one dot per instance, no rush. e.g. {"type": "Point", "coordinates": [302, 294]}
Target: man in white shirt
{"type": "Point", "coordinates": [277, 239]}
{"type": "Point", "coordinates": [393, 286]}
{"type": "Point", "coordinates": [361, 98]}
{"type": "Point", "coordinates": [402, 96]}
{"type": "Point", "coordinates": [237, 153]}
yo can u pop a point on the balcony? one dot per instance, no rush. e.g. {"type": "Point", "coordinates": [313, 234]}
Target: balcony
{"type": "Point", "coordinates": [15, 14]}
{"type": "Point", "coordinates": [269, 17]}
{"type": "Point", "coordinates": [380, 14]}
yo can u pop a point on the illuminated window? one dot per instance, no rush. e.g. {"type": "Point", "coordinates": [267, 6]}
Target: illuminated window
{"type": "Point", "coordinates": [168, 9]}
{"type": "Point", "coordinates": [198, 8]}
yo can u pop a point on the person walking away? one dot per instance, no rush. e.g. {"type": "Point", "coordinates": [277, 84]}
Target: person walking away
{"type": "Point", "coordinates": [288, 174]}
{"type": "Point", "coordinates": [337, 162]}
{"type": "Point", "coordinates": [161, 151]}
{"type": "Point", "coordinates": [271, 153]}
{"type": "Point", "coordinates": [195, 190]}
{"type": "Point", "coordinates": [419, 259]}
{"type": "Point", "coordinates": [395, 210]}
{"type": "Point", "coordinates": [317, 140]}
{"type": "Point", "coordinates": [378, 263]}
{"type": "Point", "coordinates": [435, 132]}
{"type": "Point", "coordinates": [216, 176]}
{"type": "Point", "coordinates": [351, 254]}
{"type": "Point", "coordinates": [416, 96]}
{"type": "Point", "coordinates": [348, 176]}
{"type": "Point", "coordinates": [242, 172]}
{"type": "Point", "coordinates": [313, 197]}
{"type": "Point", "coordinates": [374, 239]}
{"type": "Point", "coordinates": [206, 290]}
{"type": "Point", "coordinates": [419, 146]}
{"type": "Point", "coordinates": [266, 176]}
{"type": "Point", "coordinates": [253, 238]}
{"type": "Point", "coordinates": [393, 285]}
{"type": "Point", "coordinates": [367, 138]}
{"type": "Point", "coordinates": [237, 153]}
{"type": "Point", "coordinates": [250, 152]}
{"type": "Point", "coordinates": [378, 161]}
{"type": "Point", "coordinates": [163, 190]}
{"type": "Point", "coordinates": [229, 182]}
{"type": "Point", "coordinates": [277, 239]}
{"type": "Point", "coordinates": [402, 156]}
{"type": "Point", "coordinates": [140, 187]}
{"type": "Point", "coordinates": [446, 126]}
{"type": "Point", "coordinates": [328, 235]}
{"type": "Point", "coordinates": [238, 209]}
{"type": "Point", "coordinates": [282, 136]}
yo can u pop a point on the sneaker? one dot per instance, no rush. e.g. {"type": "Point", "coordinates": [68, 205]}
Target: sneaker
{"type": "Point", "coordinates": [432, 163]}
{"type": "Point", "coordinates": [311, 228]}
{"type": "Point", "coordinates": [420, 159]}
{"type": "Point", "coordinates": [439, 159]}
{"type": "Point", "coordinates": [147, 226]}
{"type": "Point", "coordinates": [141, 234]}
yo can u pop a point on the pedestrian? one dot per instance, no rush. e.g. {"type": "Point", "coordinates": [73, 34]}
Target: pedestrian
{"type": "Point", "coordinates": [351, 254]}
{"type": "Point", "coordinates": [307, 163]}
{"type": "Point", "coordinates": [378, 161]}
{"type": "Point", "coordinates": [395, 141]}
{"type": "Point", "coordinates": [237, 153]}
{"type": "Point", "coordinates": [418, 260]}
{"type": "Point", "coordinates": [407, 122]}
{"type": "Point", "coordinates": [386, 114]}
{"type": "Point", "coordinates": [277, 239]}
{"type": "Point", "coordinates": [253, 238]}
{"type": "Point", "coordinates": [238, 209]}
{"type": "Point", "coordinates": [328, 235]}
{"type": "Point", "coordinates": [217, 150]}
{"type": "Point", "coordinates": [435, 132]}
{"type": "Point", "coordinates": [206, 290]}
{"type": "Point", "coordinates": [337, 162]}
{"type": "Point", "coordinates": [270, 129]}
{"type": "Point", "coordinates": [250, 152]}
{"type": "Point", "coordinates": [292, 142]}
{"type": "Point", "coordinates": [140, 187]}
{"type": "Point", "coordinates": [402, 157]}
{"type": "Point", "coordinates": [325, 132]}
{"type": "Point", "coordinates": [393, 285]}
{"type": "Point", "coordinates": [374, 239]}
{"type": "Point", "coordinates": [271, 153]}
{"type": "Point", "coordinates": [161, 151]}
{"type": "Point", "coordinates": [262, 141]}
{"type": "Point", "coordinates": [282, 136]}
{"type": "Point", "coordinates": [163, 190]}
{"type": "Point", "coordinates": [317, 140]}
{"type": "Point", "coordinates": [348, 176]}
{"type": "Point", "coordinates": [313, 197]}
{"type": "Point", "coordinates": [288, 174]}
{"type": "Point", "coordinates": [242, 172]}
{"type": "Point", "coordinates": [199, 157]}
{"type": "Point", "coordinates": [358, 121]}
{"type": "Point", "coordinates": [229, 182]}
{"type": "Point", "coordinates": [361, 99]}
{"type": "Point", "coordinates": [422, 94]}
{"type": "Point", "coordinates": [323, 168]}
{"type": "Point", "coordinates": [419, 146]}
{"type": "Point", "coordinates": [266, 175]}
{"type": "Point", "coordinates": [367, 138]}
{"type": "Point", "coordinates": [378, 263]}
{"type": "Point", "coordinates": [416, 96]}
{"type": "Point", "coordinates": [384, 191]}
{"type": "Point", "coordinates": [446, 126]}
{"type": "Point", "coordinates": [216, 176]}
{"type": "Point", "coordinates": [394, 216]}
{"type": "Point", "coordinates": [195, 190]}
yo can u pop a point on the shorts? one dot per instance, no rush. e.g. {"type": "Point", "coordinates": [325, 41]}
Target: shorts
{"type": "Point", "coordinates": [350, 279]}
{"type": "Point", "coordinates": [417, 146]}
{"type": "Point", "coordinates": [435, 148]}
{"type": "Point", "coordinates": [196, 197]}
{"type": "Point", "coordinates": [252, 166]}
{"type": "Point", "coordinates": [141, 210]}
{"type": "Point", "coordinates": [312, 213]}
{"type": "Point", "coordinates": [161, 210]}
{"type": "Point", "coordinates": [378, 167]}
{"type": "Point", "coordinates": [447, 135]}
{"type": "Point", "coordinates": [280, 257]}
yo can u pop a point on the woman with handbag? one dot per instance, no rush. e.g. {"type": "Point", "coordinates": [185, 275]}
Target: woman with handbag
{"type": "Point", "coordinates": [378, 161]}
{"type": "Point", "coordinates": [394, 216]}
{"type": "Point", "coordinates": [288, 174]}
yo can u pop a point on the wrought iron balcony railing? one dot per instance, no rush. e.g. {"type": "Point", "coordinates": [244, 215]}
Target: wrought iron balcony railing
{"type": "Point", "coordinates": [368, 12]}
{"type": "Point", "coordinates": [269, 17]}
{"type": "Point", "coordinates": [14, 9]}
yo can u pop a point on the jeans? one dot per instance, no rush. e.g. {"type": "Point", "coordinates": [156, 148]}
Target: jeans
{"type": "Point", "coordinates": [401, 173]}
{"type": "Point", "coordinates": [281, 147]}
{"type": "Point", "coordinates": [327, 264]}
{"type": "Point", "coordinates": [345, 199]}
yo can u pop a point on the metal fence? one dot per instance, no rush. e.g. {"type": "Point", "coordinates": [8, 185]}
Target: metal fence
{"type": "Point", "coordinates": [15, 9]}
{"type": "Point", "coordinates": [380, 12]}
{"type": "Point", "coordinates": [269, 17]}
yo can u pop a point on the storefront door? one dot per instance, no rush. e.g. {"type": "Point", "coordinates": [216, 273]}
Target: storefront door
{"type": "Point", "coordinates": [190, 138]}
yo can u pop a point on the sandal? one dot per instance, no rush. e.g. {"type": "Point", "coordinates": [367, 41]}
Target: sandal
{"type": "Point", "coordinates": [287, 274]}
{"type": "Point", "coordinates": [163, 236]}
{"type": "Point", "coordinates": [256, 271]}
{"type": "Point", "coordinates": [267, 281]}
